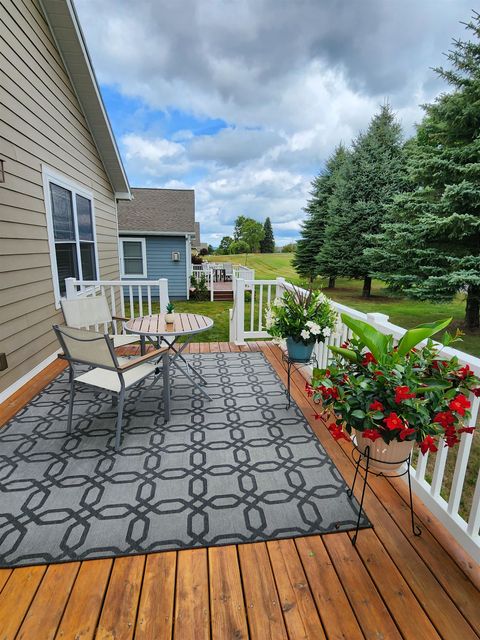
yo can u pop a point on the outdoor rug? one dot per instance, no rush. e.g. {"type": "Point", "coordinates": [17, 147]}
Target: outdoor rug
{"type": "Point", "coordinates": [240, 468]}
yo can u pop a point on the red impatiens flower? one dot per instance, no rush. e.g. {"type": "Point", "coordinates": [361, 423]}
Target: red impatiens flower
{"type": "Point", "coordinates": [445, 418]}
{"type": "Point", "coordinates": [337, 432]}
{"type": "Point", "coordinates": [328, 392]}
{"type": "Point", "coordinates": [404, 433]}
{"type": "Point", "coordinates": [476, 392]}
{"type": "Point", "coordinates": [309, 389]}
{"type": "Point", "coordinates": [466, 430]}
{"type": "Point", "coordinates": [378, 373]}
{"type": "Point", "coordinates": [403, 393]}
{"type": "Point", "coordinates": [376, 406]}
{"type": "Point", "coordinates": [464, 372]}
{"type": "Point", "coordinates": [436, 364]}
{"type": "Point", "coordinates": [393, 422]}
{"type": "Point", "coordinates": [459, 404]}
{"type": "Point", "coordinates": [371, 434]}
{"type": "Point", "coordinates": [428, 444]}
{"type": "Point", "coordinates": [367, 358]}
{"type": "Point", "coordinates": [345, 344]}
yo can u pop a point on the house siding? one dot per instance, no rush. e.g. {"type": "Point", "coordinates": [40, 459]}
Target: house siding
{"type": "Point", "coordinates": [160, 265]}
{"type": "Point", "coordinates": [41, 123]}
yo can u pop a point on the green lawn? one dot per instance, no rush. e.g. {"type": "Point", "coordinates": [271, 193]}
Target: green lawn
{"type": "Point", "coordinates": [406, 313]}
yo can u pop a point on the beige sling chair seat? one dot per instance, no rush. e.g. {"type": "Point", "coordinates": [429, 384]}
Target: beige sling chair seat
{"type": "Point", "coordinates": [109, 372]}
{"type": "Point", "coordinates": [81, 313]}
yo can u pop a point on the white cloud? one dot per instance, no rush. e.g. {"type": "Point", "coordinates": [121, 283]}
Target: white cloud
{"type": "Point", "coordinates": [290, 79]}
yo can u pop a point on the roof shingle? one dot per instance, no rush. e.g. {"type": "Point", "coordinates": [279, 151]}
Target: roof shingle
{"type": "Point", "coordinates": [158, 210]}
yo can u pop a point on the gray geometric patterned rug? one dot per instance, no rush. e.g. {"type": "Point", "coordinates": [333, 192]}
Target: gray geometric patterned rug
{"type": "Point", "coordinates": [241, 468]}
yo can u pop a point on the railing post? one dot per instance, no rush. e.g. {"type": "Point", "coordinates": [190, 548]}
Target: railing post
{"type": "Point", "coordinates": [70, 288]}
{"type": "Point", "coordinates": [212, 293]}
{"type": "Point", "coordinates": [163, 298]}
{"type": "Point", "coordinates": [377, 319]}
{"type": "Point", "coordinates": [280, 287]}
{"type": "Point", "coordinates": [239, 315]}
{"type": "Point", "coordinates": [231, 326]}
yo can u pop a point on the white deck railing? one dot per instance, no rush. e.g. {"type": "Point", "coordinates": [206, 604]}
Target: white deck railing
{"type": "Point", "coordinates": [247, 319]}
{"type": "Point", "coordinates": [198, 271]}
{"type": "Point", "coordinates": [123, 295]}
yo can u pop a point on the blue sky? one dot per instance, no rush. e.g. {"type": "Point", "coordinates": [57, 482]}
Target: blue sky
{"type": "Point", "coordinates": [245, 100]}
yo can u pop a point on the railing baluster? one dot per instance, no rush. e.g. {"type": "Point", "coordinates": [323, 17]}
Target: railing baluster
{"type": "Point", "coordinates": [459, 473]}
{"type": "Point", "coordinates": [149, 300]}
{"type": "Point", "coordinates": [260, 310]}
{"type": "Point", "coordinates": [140, 301]}
{"type": "Point", "coordinates": [439, 469]}
{"type": "Point", "coordinates": [122, 307]}
{"type": "Point", "coordinates": [252, 306]}
{"type": "Point", "coordinates": [132, 308]}
{"type": "Point", "coordinates": [421, 466]}
{"type": "Point", "coordinates": [269, 294]}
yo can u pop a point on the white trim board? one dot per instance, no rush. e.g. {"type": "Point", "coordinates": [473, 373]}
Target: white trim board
{"type": "Point", "coordinates": [6, 393]}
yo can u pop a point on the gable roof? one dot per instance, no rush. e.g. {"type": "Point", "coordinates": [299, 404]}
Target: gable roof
{"type": "Point", "coordinates": [67, 33]}
{"type": "Point", "coordinates": [158, 211]}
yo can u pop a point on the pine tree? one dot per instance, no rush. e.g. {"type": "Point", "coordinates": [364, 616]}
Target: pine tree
{"type": "Point", "coordinates": [267, 245]}
{"type": "Point", "coordinates": [317, 210]}
{"type": "Point", "coordinates": [370, 178]}
{"type": "Point", "coordinates": [431, 247]}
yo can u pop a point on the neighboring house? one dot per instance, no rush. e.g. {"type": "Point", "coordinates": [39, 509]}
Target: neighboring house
{"type": "Point", "coordinates": [197, 244]}
{"type": "Point", "coordinates": [155, 229]}
{"type": "Point", "coordinates": [63, 177]}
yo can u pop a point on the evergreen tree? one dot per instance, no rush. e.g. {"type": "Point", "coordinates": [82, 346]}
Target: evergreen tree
{"type": "Point", "coordinates": [267, 245]}
{"type": "Point", "coordinates": [372, 175]}
{"type": "Point", "coordinates": [317, 210]}
{"type": "Point", "coordinates": [430, 248]}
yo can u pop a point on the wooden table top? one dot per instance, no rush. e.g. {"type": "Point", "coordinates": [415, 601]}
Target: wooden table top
{"type": "Point", "coordinates": [155, 325]}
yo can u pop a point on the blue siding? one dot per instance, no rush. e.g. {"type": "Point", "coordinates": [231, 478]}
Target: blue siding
{"type": "Point", "coordinates": [160, 264]}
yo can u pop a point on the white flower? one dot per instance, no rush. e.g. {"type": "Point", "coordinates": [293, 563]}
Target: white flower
{"type": "Point", "coordinates": [305, 334]}
{"type": "Point", "coordinates": [326, 332]}
{"type": "Point", "coordinates": [269, 318]}
{"type": "Point", "coordinates": [315, 329]}
{"type": "Point", "coordinates": [278, 302]}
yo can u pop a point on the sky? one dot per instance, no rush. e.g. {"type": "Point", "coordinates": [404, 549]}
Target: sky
{"type": "Point", "coordinates": [244, 100]}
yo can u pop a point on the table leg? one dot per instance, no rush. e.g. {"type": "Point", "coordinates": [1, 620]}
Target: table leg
{"type": "Point", "coordinates": [166, 385]}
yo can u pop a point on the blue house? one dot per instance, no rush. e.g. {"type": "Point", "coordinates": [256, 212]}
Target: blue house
{"type": "Point", "coordinates": [155, 231]}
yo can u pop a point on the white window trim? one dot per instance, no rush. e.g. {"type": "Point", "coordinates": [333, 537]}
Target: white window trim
{"type": "Point", "coordinates": [123, 239]}
{"type": "Point", "coordinates": [51, 176]}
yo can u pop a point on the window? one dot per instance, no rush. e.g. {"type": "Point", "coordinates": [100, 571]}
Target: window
{"type": "Point", "coordinates": [133, 257]}
{"type": "Point", "coordinates": [71, 231]}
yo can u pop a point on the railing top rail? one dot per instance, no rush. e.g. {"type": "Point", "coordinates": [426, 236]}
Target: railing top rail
{"type": "Point", "coordinates": [112, 283]}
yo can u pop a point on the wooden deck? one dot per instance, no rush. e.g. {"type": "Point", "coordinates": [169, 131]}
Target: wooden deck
{"type": "Point", "coordinates": [391, 585]}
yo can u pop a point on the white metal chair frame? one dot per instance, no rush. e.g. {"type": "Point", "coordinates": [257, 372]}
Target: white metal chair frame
{"type": "Point", "coordinates": [65, 334]}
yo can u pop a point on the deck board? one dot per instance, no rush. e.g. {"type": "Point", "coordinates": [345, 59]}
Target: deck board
{"type": "Point", "coordinates": [391, 583]}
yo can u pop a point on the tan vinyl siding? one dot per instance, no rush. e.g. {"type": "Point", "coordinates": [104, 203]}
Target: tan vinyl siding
{"type": "Point", "coordinates": [41, 123]}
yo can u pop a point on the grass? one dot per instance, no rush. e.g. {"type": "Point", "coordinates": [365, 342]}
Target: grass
{"type": "Point", "coordinates": [401, 311]}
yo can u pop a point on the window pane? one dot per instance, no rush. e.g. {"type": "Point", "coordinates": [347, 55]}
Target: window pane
{"type": "Point", "coordinates": [87, 254]}
{"type": "Point", "coordinates": [62, 213]}
{"type": "Point", "coordinates": [66, 263]}
{"type": "Point", "coordinates": [84, 218]}
{"type": "Point", "coordinates": [132, 249]}
{"type": "Point", "coordinates": [133, 266]}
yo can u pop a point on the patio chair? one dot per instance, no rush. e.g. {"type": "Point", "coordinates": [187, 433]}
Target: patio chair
{"type": "Point", "coordinates": [228, 266]}
{"type": "Point", "coordinates": [109, 372]}
{"type": "Point", "coordinates": [81, 313]}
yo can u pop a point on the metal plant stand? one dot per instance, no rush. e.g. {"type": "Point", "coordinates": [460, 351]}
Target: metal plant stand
{"type": "Point", "coordinates": [362, 460]}
{"type": "Point", "coordinates": [293, 364]}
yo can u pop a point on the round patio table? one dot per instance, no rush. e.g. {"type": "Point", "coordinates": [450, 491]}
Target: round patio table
{"type": "Point", "coordinates": [154, 329]}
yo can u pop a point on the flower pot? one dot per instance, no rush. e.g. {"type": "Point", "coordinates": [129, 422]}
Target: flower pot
{"type": "Point", "coordinates": [298, 351]}
{"type": "Point", "coordinates": [169, 318]}
{"type": "Point", "coordinates": [387, 457]}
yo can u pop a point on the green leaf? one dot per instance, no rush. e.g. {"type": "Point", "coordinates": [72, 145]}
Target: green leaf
{"type": "Point", "coordinates": [348, 354]}
{"type": "Point", "coordinates": [358, 413]}
{"type": "Point", "coordinates": [375, 340]}
{"type": "Point", "coordinates": [422, 332]}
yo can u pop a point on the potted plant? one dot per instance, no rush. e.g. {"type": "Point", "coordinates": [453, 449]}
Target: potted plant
{"type": "Point", "coordinates": [395, 396]}
{"type": "Point", "coordinates": [303, 318]}
{"type": "Point", "coordinates": [170, 315]}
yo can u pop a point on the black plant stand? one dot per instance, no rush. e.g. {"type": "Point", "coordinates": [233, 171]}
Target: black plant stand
{"type": "Point", "coordinates": [293, 364]}
{"type": "Point", "coordinates": [362, 460]}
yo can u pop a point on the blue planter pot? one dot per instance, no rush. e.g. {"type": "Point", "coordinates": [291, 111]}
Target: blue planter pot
{"type": "Point", "coordinates": [298, 351]}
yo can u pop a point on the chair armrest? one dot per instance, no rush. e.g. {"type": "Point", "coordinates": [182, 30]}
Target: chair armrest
{"type": "Point", "coordinates": [141, 359]}
{"type": "Point", "coordinates": [120, 318]}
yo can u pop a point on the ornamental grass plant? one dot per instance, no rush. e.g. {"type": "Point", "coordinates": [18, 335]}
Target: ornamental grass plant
{"type": "Point", "coordinates": [404, 392]}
